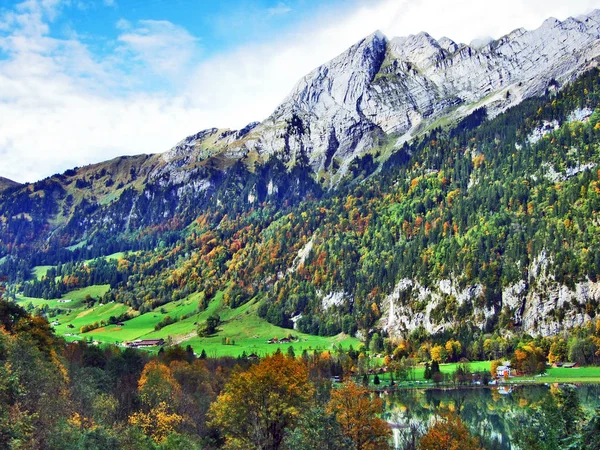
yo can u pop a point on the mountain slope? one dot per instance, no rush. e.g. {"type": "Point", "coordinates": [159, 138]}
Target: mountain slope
{"type": "Point", "coordinates": [479, 225]}
{"type": "Point", "coordinates": [380, 87]}
{"type": "Point", "coordinates": [5, 184]}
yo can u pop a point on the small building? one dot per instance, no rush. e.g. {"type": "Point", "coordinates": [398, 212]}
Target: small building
{"type": "Point", "coordinates": [145, 343]}
{"type": "Point", "coordinates": [253, 357]}
{"type": "Point", "coordinates": [570, 365]}
{"type": "Point", "coordinates": [503, 371]}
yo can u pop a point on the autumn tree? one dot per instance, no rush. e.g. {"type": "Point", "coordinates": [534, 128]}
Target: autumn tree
{"type": "Point", "coordinates": [529, 359]}
{"type": "Point", "coordinates": [494, 367]}
{"type": "Point", "coordinates": [558, 351]}
{"type": "Point", "coordinates": [159, 423]}
{"type": "Point", "coordinates": [357, 413]}
{"type": "Point", "coordinates": [449, 433]}
{"type": "Point", "coordinates": [257, 406]}
{"type": "Point", "coordinates": [453, 349]}
{"type": "Point", "coordinates": [439, 353]}
{"type": "Point", "coordinates": [157, 385]}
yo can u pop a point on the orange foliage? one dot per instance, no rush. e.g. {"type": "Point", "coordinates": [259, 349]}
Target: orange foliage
{"type": "Point", "coordinates": [478, 160]}
{"type": "Point", "coordinates": [449, 433]}
{"type": "Point", "coordinates": [357, 412]}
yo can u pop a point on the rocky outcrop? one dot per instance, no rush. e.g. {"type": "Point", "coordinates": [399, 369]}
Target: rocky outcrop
{"type": "Point", "coordinates": [382, 88]}
{"type": "Point", "coordinates": [436, 308]}
{"type": "Point", "coordinates": [539, 305]}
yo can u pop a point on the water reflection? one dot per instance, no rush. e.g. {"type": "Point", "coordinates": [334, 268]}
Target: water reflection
{"type": "Point", "coordinates": [490, 412]}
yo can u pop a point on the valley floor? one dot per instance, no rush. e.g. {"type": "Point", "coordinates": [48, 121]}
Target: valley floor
{"type": "Point", "coordinates": [241, 328]}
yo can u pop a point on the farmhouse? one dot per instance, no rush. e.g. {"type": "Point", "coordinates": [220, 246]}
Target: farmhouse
{"type": "Point", "coordinates": [503, 371]}
{"type": "Point", "coordinates": [145, 343]}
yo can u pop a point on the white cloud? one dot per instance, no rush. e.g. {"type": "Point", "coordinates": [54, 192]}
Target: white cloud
{"type": "Point", "coordinates": [123, 24]}
{"type": "Point", "coordinates": [162, 46]}
{"type": "Point", "coordinates": [63, 106]}
{"type": "Point", "coordinates": [279, 10]}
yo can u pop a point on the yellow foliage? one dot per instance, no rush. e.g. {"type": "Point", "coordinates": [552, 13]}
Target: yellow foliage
{"type": "Point", "coordinates": [375, 309]}
{"type": "Point", "coordinates": [79, 421]}
{"type": "Point", "coordinates": [438, 353]}
{"type": "Point", "coordinates": [256, 406]}
{"type": "Point", "coordinates": [494, 367]}
{"type": "Point", "coordinates": [158, 423]}
{"type": "Point", "coordinates": [157, 385]}
{"type": "Point", "coordinates": [449, 433]}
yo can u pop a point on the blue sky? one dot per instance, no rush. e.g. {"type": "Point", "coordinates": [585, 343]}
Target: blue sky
{"type": "Point", "coordinates": [218, 25]}
{"type": "Point", "coordinates": [82, 81]}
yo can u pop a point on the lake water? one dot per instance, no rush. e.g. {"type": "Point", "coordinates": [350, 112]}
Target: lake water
{"type": "Point", "coordinates": [490, 411]}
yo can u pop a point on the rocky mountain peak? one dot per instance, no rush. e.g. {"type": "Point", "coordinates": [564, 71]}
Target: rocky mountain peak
{"type": "Point", "coordinates": [380, 89]}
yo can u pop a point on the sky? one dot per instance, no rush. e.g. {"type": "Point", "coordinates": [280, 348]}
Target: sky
{"type": "Point", "coordinates": [83, 81]}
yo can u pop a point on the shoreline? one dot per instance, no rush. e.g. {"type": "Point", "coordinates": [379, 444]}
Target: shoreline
{"type": "Point", "coordinates": [511, 384]}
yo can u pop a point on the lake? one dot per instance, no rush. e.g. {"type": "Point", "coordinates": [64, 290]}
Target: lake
{"type": "Point", "coordinates": [488, 411]}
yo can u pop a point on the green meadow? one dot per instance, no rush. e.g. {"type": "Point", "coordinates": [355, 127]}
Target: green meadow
{"type": "Point", "coordinates": [244, 330]}
{"type": "Point", "coordinates": [589, 374]}
{"type": "Point", "coordinates": [41, 271]}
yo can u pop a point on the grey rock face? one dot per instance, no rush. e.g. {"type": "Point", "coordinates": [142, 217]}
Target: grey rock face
{"type": "Point", "coordinates": [538, 305]}
{"type": "Point", "coordinates": [398, 88]}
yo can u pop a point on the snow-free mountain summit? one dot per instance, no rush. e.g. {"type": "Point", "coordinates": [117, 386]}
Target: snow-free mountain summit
{"type": "Point", "coordinates": [382, 89]}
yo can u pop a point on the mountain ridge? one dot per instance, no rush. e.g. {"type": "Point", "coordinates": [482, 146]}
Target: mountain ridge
{"type": "Point", "coordinates": [5, 184]}
{"type": "Point", "coordinates": [383, 87]}
{"type": "Point", "coordinates": [417, 232]}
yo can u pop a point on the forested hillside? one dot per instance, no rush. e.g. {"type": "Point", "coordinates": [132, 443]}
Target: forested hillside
{"type": "Point", "coordinates": [472, 224]}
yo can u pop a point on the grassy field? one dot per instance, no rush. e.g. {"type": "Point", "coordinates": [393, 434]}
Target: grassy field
{"type": "Point", "coordinates": [251, 334]}
{"type": "Point", "coordinates": [75, 312]}
{"type": "Point", "coordinates": [40, 271]}
{"type": "Point", "coordinates": [114, 256]}
{"type": "Point", "coordinates": [553, 374]}
{"type": "Point", "coordinates": [562, 375]}
{"type": "Point", "coordinates": [419, 373]}
{"type": "Point", "coordinates": [242, 326]}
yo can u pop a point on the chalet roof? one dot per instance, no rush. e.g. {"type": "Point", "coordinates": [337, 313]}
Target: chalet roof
{"type": "Point", "coordinates": [145, 342]}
